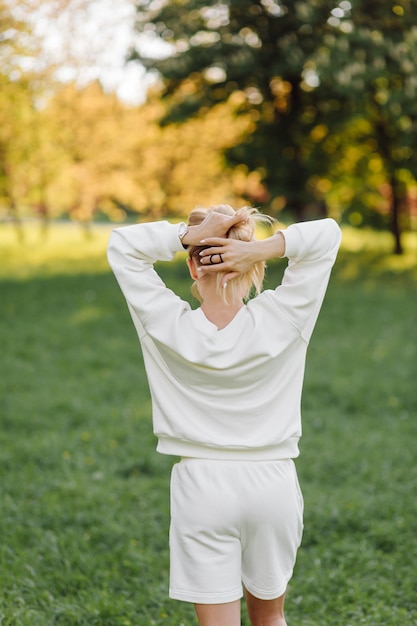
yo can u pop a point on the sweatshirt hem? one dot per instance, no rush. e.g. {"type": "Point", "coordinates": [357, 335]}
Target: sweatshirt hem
{"type": "Point", "coordinates": [177, 447]}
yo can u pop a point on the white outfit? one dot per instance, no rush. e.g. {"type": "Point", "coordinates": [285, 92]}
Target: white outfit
{"type": "Point", "coordinates": [233, 521]}
{"type": "Point", "coordinates": [235, 392]}
{"type": "Point", "coordinates": [227, 395]}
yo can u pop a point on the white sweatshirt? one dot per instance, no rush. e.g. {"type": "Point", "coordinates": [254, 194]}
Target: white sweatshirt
{"type": "Point", "coordinates": [233, 393]}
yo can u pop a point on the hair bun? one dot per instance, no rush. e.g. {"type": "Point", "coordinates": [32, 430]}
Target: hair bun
{"type": "Point", "coordinates": [244, 230]}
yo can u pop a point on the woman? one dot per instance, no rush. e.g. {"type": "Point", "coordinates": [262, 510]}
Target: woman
{"type": "Point", "coordinates": [226, 381]}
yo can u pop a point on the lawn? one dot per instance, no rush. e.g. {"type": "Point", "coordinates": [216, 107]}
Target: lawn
{"type": "Point", "coordinates": [84, 496]}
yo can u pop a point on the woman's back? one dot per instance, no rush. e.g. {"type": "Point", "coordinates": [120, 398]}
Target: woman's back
{"type": "Point", "coordinates": [236, 391]}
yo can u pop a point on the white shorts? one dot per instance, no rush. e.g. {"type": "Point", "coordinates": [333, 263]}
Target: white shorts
{"type": "Point", "coordinates": [233, 522]}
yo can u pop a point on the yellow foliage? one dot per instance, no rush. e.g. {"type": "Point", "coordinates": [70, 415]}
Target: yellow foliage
{"type": "Point", "coordinates": [319, 132]}
{"type": "Point", "coordinates": [94, 153]}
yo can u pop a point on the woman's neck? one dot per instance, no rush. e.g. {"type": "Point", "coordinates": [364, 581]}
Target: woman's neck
{"type": "Point", "coordinates": [219, 313]}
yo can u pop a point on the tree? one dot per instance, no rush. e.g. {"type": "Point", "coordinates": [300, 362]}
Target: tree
{"type": "Point", "coordinates": [96, 155]}
{"type": "Point", "coordinates": [18, 91]}
{"type": "Point", "coordinates": [379, 85]}
{"type": "Point", "coordinates": [260, 49]}
{"type": "Point", "coordinates": [74, 149]}
{"type": "Point", "coordinates": [308, 71]}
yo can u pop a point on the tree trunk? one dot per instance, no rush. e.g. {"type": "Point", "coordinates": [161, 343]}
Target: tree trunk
{"type": "Point", "coordinates": [397, 203]}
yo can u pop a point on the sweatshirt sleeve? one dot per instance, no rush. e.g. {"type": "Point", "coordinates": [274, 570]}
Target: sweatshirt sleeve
{"type": "Point", "coordinates": [132, 252]}
{"type": "Point", "coordinates": [311, 248]}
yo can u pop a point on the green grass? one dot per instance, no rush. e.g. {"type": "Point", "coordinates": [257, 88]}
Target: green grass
{"type": "Point", "coordinates": [84, 496]}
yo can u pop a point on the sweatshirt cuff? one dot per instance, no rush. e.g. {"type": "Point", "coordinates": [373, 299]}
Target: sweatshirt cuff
{"type": "Point", "coordinates": [176, 243]}
{"type": "Point", "coordinates": [293, 241]}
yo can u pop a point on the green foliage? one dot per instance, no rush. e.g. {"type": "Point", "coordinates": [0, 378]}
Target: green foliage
{"type": "Point", "coordinates": [313, 76]}
{"type": "Point", "coordinates": [262, 51]}
{"type": "Point", "coordinates": [378, 84]}
{"type": "Point", "coordinates": [84, 515]}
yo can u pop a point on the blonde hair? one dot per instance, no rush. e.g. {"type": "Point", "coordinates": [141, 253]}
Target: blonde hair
{"type": "Point", "coordinates": [245, 231]}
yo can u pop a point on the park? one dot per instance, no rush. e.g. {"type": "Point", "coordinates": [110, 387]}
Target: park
{"type": "Point", "coordinates": [325, 124]}
{"type": "Point", "coordinates": [84, 513]}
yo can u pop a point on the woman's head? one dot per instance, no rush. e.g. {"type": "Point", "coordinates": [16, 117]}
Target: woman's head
{"type": "Point", "coordinates": [241, 286]}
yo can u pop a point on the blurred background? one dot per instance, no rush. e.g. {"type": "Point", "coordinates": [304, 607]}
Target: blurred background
{"type": "Point", "coordinates": [136, 110]}
{"type": "Point", "coordinates": [124, 111]}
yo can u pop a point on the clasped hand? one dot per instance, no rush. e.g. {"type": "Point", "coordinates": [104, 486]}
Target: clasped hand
{"type": "Point", "coordinates": [227, 255]}
{"type": "Point", "coordinates": [230, 256]}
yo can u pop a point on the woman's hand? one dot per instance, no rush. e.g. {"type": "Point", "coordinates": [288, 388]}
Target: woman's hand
{"type": "Point", "coordinates": [214, 225]}
{"type": "Point", "coordinates": [231, 256]}
{"type": "Point", "coordinates": [235, 257]}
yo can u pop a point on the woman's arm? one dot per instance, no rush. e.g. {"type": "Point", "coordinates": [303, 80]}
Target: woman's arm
{"type": "Point", "coordinates": [311, 248]}
{"type": "Point", "coordinates": [305, 241]}
{"type": "Point", "coordinates": [133, 251]}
